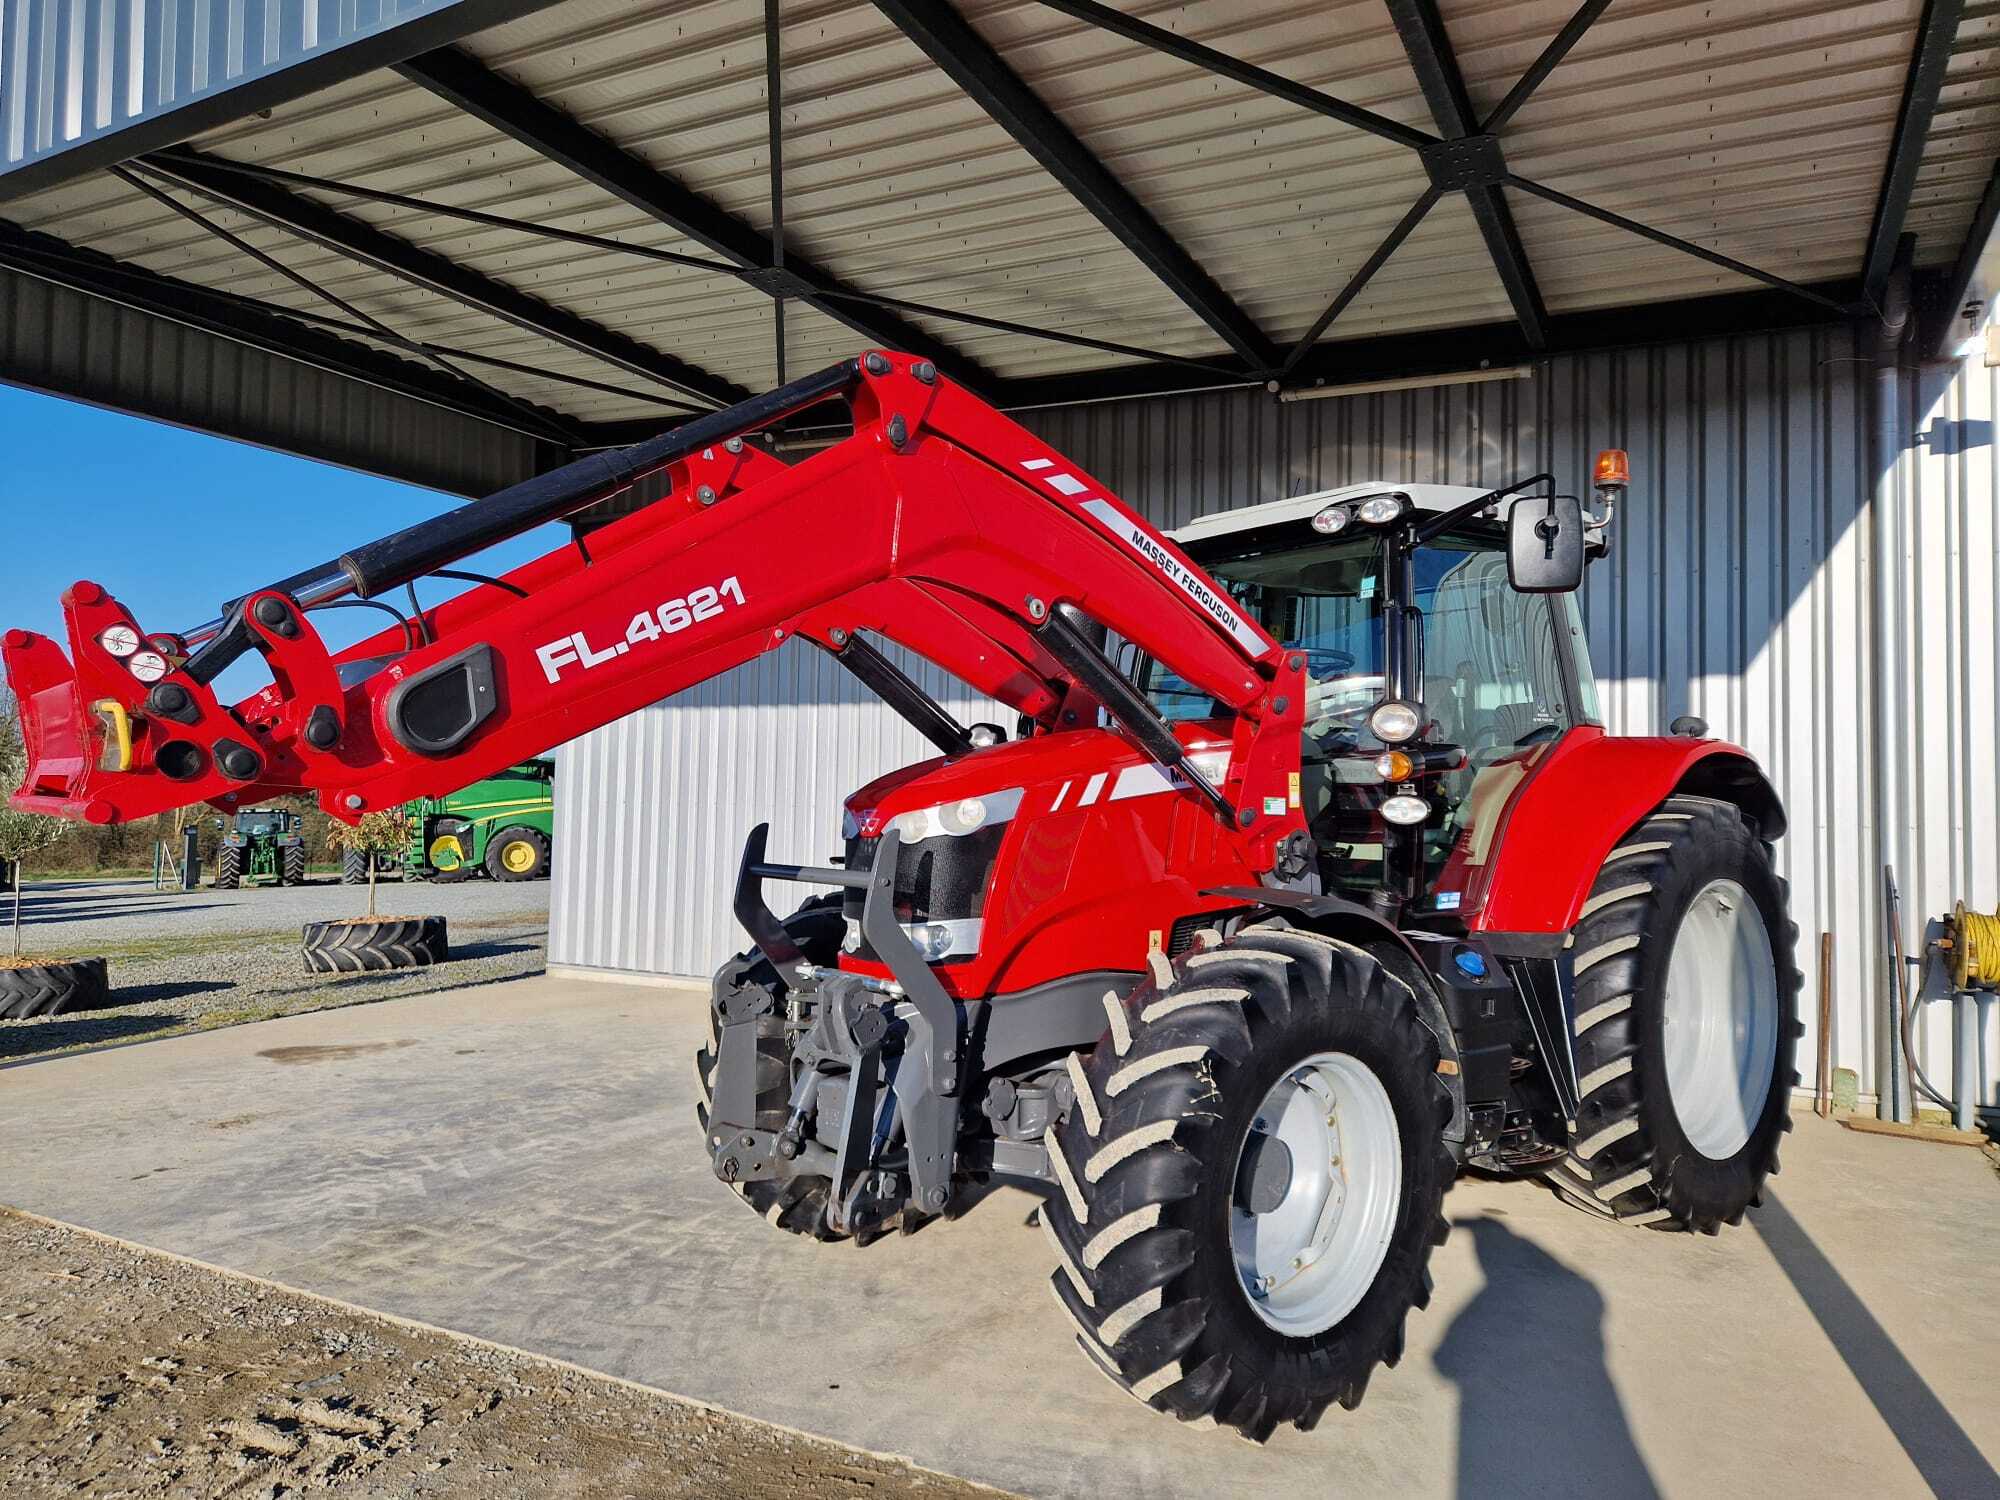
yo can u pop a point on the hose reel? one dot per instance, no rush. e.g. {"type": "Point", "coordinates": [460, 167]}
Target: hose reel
{"type": "Point", "coordinates": [1970, 944]}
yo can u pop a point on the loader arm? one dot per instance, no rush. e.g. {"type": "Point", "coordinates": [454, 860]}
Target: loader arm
{"type": "Point", "coordinates": [939, 524]}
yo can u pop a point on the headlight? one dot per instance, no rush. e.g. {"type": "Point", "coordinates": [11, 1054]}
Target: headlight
{"type": "Point", "coordinates": [1395, 721]}
{"type": "Point", "coordinates": [985, 736]}
{"type": "Point", "coordinates": [1403, 809]}
{"type": "Point", "coordinates": [1331, 520]}
{"type": "Point", "coordinates": [1380, 510]}
{"type": "Point", "coordinates": [941, 940]}
{"type": "Point", "coordinates": [956, 819]}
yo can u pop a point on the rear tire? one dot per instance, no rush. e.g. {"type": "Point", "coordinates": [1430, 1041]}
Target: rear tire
{"type": "Point", "coordinates": [798, 1206]}
{"type": "Point", "coordinates": [228, 868]}
{"type": "Point", "coordinates": [517, 854]}
{"type": "Point", "coordinates": [1686, 1023]}
{"type": "Point", "coordinates": [292, 867]}
{"type": "Point", "coordinates": [1160, 1192]}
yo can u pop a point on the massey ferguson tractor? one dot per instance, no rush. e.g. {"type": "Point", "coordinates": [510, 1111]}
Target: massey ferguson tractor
{"type": "Point", "coordinates": [1305, 874]}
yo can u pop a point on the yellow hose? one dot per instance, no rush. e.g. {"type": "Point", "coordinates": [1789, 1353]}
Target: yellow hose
{"type": "Point", "coordinates": [1972, 942]}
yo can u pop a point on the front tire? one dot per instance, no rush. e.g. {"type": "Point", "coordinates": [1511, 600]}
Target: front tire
{"type": "Point", "coordinates": [354, 867]}
{"type": "Point", "coordinates": [292, 866]}
{"type": "Point", "coordinates": [1686, 1023]}
{"type": "Point", "coordinates": [1168, 1186]}
{"type": "Point", "coordinates": [228, 868]}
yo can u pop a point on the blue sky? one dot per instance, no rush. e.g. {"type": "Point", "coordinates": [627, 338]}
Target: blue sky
{"type": "Point", "coordinates": [173, 522]}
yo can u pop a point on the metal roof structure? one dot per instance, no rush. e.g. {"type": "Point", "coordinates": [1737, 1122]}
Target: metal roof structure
{"type": "Point", "coordinates": [594, 218]}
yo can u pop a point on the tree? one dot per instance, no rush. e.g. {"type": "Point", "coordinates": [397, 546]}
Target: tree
{"type": "Point", "coordinates": [21, 833]}
{"type": "Point", "coordinates": [377, 833]}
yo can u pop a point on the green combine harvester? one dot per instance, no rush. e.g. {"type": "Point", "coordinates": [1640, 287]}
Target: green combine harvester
{"type": "Point", "coordinates": [503, 825]}
{"type": "Point", "coordinates": [265, 844]}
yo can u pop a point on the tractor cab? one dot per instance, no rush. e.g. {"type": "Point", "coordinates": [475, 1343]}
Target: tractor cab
{"type": "Point", "coordinates": [1437, 674]}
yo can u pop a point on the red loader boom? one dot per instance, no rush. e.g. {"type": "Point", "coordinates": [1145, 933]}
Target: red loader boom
{"type": "Point", "coordinates": [939, 524]}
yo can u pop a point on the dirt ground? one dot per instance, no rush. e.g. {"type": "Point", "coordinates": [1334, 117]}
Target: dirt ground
{"type": "Point", "coordinates": [124, 1372]}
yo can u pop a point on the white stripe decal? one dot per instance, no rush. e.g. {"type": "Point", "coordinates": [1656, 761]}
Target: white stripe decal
{"type": "Point", "coordinates": [1059, 797]}
{"type": "Point", "coordinates": [1038, 463]}
{"type": "Point", "coordinates": [1090, 792]}
{"type": "Point", "coordinates": [1068, 484]}
{"type": "Point", "coordinates": [1218, 608]}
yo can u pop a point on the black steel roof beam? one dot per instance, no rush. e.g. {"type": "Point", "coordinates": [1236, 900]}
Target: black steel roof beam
{"type": "Point", "coordinates": [1451, 350]}
{"type": "Point", "coordinates": [1222, 64]}
{"type": "Point", "coordinates": [1429, 50]}
{"type": "Point", "coordinates": [1551, 56]}
{"type": "Point", "coordinates": [1405, 227]}
{"type": "Point", "coordinates": [1956, 286]}
{"type": "Point", "coordinates": [463, 81]}
{"type": "Point", "coordinates": [1921, 88]}
{"type": "Point", "coordinates": [1674, 242]}
{"type": "Point", "coordinates": [967, 58]}
{"type": "Point", "coordinates": [407, 262]}
{"type": "Point", "coordinates": [556, 432]}
{"type": "Point", "coordinates": [675, 258]}
{"type": "Point", "coordinates": [252, 325]}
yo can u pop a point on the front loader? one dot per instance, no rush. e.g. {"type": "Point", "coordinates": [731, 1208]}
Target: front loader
{"type": "Point", "coordinates": [1303, 875]}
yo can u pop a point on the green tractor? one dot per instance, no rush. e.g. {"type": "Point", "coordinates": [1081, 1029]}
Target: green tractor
{"type": "Point", "coordinates": [503, 825]}
{"type": "Point", "coordinates": [265, 844]}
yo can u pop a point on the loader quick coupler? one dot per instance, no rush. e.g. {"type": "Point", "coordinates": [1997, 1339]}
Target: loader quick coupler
{"type": "Point", "coordinates": [875, 1091]}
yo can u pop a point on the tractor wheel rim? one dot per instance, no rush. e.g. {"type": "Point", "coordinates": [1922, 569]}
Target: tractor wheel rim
{"type": "Point", "coordinates": [1720, 1020]}
{"type": "Point", "coordinates": [1306, 1263]}
{"type": "Point", "coordinates": [518, 856]}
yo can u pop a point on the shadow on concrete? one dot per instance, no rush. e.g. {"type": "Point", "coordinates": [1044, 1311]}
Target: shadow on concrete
{"type": "Point", "coordinates": [1544, 1419]}
{"type": "Point", "coordinates": [1946, 1457]}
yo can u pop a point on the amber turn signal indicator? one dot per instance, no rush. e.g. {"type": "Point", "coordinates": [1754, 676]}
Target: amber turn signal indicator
{"type": "Point", "coordinates": [1613, 467]}
{"type": "Point", "coordinates": [1395, 765]}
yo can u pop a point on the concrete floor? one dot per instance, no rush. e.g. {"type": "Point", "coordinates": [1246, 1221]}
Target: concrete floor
{"type": "Point", "coordinates": [520, 1162]}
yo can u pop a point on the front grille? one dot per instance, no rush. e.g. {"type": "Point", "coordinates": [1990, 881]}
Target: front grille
{"type": "Point", "coordinates": [941, 879]}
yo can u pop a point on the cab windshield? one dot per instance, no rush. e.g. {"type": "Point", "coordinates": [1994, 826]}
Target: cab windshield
{"type": "Point", "coordinates": [1498, 672]}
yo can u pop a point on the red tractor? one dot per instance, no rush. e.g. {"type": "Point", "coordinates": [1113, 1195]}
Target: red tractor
{"type": "Point", "coordinates": [1305, 874]}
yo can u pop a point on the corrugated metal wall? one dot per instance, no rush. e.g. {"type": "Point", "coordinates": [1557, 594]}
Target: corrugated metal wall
{"type": "Point", "coordinates": [57, 340]}
{"type": "Point", "coordinates": [72, 70]}
{"type": "Point", "coordinates": [1740, 588]}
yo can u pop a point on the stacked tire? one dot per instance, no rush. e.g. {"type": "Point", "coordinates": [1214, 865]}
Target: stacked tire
{"type": "Point", "coordinates": [53, 989]}
{"type": "Point", "coordinates": [372, 945]}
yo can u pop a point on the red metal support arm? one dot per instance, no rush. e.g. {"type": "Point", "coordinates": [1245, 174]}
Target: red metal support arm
{"type": "Point", "coordinates": [940, 524]}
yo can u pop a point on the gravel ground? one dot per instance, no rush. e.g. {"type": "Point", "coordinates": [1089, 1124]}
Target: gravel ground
{"type": "Point", "coordinates": [125, 1372]}
{"type": "Point", "coordinates": [190, 960]}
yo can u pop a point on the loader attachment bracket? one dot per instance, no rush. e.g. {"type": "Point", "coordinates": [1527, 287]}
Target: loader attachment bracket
{"type": "Point", "coordinates": [926, 1076]}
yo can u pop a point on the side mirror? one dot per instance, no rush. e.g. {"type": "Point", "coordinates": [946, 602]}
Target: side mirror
{"type": "Point", "coordinates": [1545, 544]}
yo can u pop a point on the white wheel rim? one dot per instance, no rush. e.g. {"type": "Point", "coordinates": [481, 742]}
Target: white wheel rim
{"type": "Point", "coordinates": [1307, 1263]}
{"type": "Point", "coordinates": [1720, 1020]}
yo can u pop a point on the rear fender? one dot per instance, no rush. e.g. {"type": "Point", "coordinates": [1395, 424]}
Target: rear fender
{"type": "Point", "coordinates": [1586, 794]}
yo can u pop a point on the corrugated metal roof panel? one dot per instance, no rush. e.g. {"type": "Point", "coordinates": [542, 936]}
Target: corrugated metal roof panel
{"type": "Point", "coordinates": [1760, 132]}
